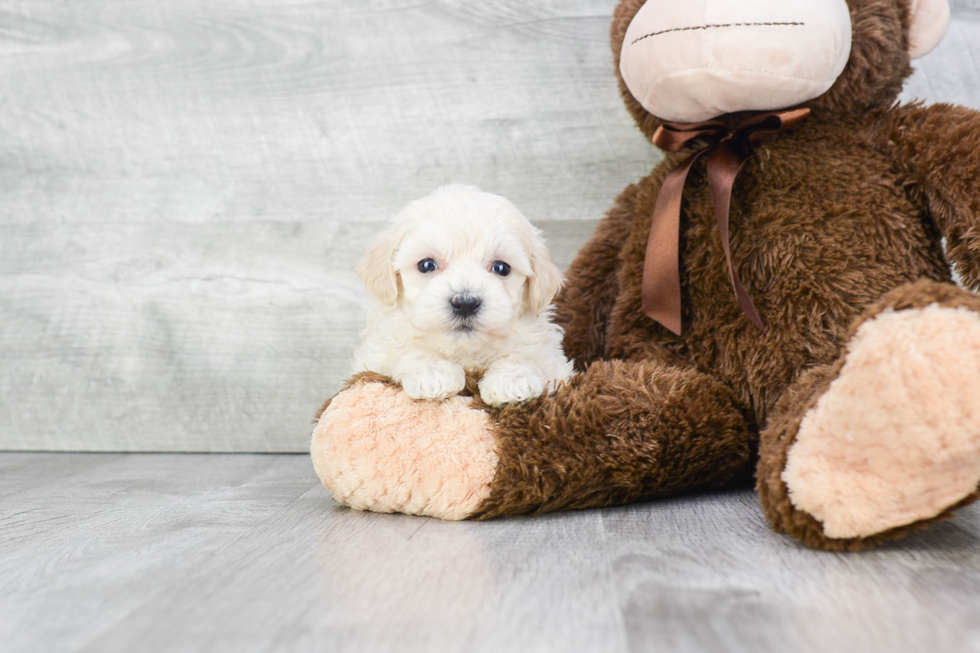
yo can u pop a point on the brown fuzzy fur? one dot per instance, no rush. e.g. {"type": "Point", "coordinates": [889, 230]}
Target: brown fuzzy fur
{"type": "Point", "coordinates": [843, 213]}
{"type": "Point", "coordinates": [826, 220]}
{"type": "Point", "coordinates": [619, 432]}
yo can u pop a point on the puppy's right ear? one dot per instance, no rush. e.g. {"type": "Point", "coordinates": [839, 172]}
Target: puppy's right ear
{"type": "Point", "coordinates": [376, 270]}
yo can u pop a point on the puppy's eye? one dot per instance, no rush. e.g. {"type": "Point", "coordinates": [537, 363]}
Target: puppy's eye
{"type": "Point", "coordinates": [427, 265]}
{"type": "Point", "coordinates": [501, 268]}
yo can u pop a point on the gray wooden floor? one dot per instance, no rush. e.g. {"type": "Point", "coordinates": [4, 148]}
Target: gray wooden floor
{"type": "Point", "coordinates": [240, 553]}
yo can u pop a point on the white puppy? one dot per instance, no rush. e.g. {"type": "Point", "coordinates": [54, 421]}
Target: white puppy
{"type": "Point", "coordinates": [463, 283]}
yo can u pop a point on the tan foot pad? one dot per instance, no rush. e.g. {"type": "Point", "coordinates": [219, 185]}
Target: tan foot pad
{"type": "Point", "coordinates": [896, 437]}
{"type": "Point", "coordinates": [376, 448]}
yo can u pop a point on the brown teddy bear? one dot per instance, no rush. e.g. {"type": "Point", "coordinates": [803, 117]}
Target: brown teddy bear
{"type": "Point", "coordinates": [790, 312]}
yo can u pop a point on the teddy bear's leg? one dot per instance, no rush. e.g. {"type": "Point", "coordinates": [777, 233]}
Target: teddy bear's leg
{"type": "Point", "coordinates": [886, 440]}
{"type": "Point", "coordinates": [618, 432]}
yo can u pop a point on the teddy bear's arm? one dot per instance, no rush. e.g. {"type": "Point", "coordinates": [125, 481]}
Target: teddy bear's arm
{"type": "Point", "coordinates": [938, 147]}
{"type": "Point", "coordinates": [584, 304]}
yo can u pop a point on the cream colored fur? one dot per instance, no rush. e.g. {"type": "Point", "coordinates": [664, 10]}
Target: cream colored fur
{"type": "Point", "coordinates": [416, 473]}
{"type": "Point", "coordinates": [697, 59]}
{"type": "Point", "coordinates": [691, 61]}
{"type": "Point", "coordinates": [896, 438]}
{"type": "Point", "coordinates": [412, 334]}
{"type": "Point", "coordinates": [930, 20]}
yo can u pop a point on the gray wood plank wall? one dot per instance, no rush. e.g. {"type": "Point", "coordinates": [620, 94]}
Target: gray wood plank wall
{"type": "Point", "coordinates": [185, 186]}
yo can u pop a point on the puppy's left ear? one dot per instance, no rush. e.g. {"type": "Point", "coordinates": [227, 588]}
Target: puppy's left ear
{"type": "Point", "coordinates": [545, 279]}
{"type": "Point", "coordinates": [377, 271]}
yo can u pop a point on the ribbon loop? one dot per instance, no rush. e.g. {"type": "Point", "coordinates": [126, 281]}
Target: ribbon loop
{"type": "Point", "coordinates": [674, 136]}
{"type": "Point", "coordinates": [727, 151]}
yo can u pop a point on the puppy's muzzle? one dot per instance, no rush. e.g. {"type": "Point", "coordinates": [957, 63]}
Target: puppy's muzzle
{"type": "Point", "coordinates": [465, 305]}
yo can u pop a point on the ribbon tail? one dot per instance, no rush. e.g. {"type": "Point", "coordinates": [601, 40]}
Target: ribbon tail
{"type": "Point", "coordinates": [723, 166]}
{"type": "Point", "coordinates": [661, 291]}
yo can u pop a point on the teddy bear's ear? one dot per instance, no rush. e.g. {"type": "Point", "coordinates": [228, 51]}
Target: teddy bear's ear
{"type": "Point", "coordinates": [930, 18]}
{"type": "Point", "coordinates": [377, 271]}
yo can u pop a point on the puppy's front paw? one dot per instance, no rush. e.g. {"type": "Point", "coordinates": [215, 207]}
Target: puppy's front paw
{"type": "Point", "coordinates": [510, 384]}
{"type": "Point", "coordinates": [434, 381]}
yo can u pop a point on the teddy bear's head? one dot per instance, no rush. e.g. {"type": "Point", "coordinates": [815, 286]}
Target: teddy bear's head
{"type": "Point", "coordinates": [695, 60]}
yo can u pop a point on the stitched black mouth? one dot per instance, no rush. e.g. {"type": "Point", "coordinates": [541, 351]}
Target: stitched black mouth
{"type": "Point", "coordinates": [697, 27]}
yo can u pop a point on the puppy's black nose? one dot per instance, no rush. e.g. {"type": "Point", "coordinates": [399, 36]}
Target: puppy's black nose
{"type": "Point", "coordinates": [465, 305]}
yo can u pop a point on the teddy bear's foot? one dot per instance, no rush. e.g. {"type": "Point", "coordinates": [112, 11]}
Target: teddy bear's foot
{"type": "Point", "coordinates": [890, 436]}
{"type": "Point", "coordinates": [375, 448]}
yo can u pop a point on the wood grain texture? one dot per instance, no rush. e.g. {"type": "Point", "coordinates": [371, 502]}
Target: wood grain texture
{"type": "Point", "coordinates": [185, 186]}
{"type": "Point", "coordinates": [105, 553]}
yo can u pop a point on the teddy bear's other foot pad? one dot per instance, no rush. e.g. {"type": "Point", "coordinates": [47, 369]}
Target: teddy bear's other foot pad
{"type": "Point", "coordinates": [896, 437]}
{"type": "Point", "coordinates": [376, 448]}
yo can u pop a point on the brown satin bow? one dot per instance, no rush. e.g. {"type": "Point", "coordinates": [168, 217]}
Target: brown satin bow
{"type": "Point", "coordinates": [727, 150]}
